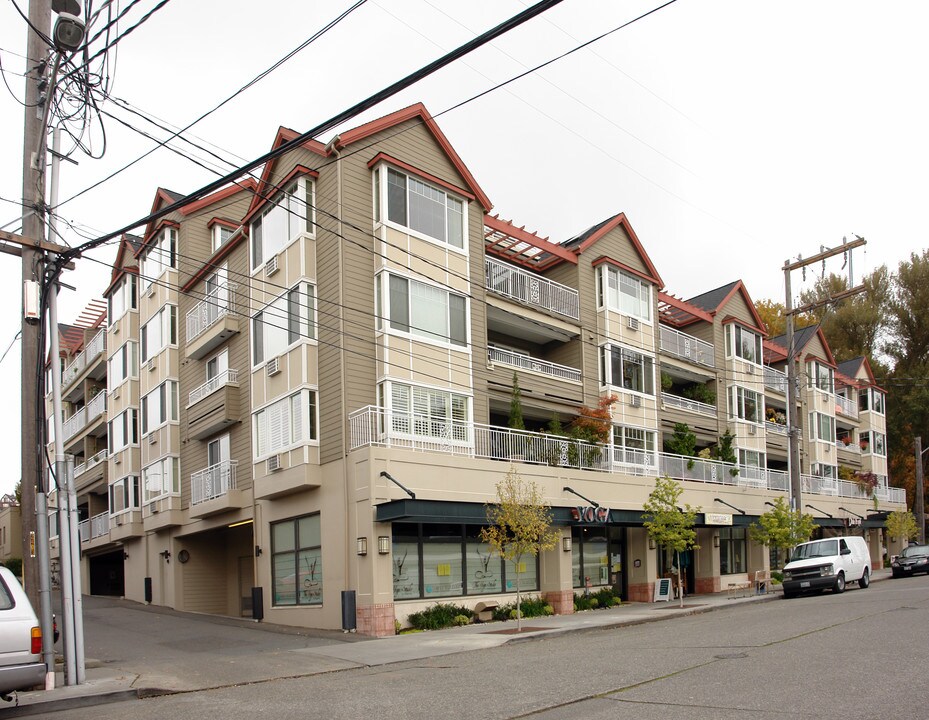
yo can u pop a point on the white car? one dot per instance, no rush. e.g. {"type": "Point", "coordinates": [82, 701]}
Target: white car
{"type": "Point", "coordinates": [21, 665]}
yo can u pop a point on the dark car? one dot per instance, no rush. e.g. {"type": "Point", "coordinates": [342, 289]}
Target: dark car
{"type": "Point", "coordinates": [913, 559]}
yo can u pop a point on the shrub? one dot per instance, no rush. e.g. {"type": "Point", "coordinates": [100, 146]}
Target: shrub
{"type": "Point", "coordinates": [442, 615]}
{"type": "Point", "coordinates": [604, 597]}
{"type": "Point", "coordinates": [530, 607]}
{"type": "Point", "coordinates": [777, 577]}
{"type": "Point", "coordinates": [460, 620]}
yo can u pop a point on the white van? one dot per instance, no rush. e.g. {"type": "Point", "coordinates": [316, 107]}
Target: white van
{"type": "Point", "coordinates": [828, 564]}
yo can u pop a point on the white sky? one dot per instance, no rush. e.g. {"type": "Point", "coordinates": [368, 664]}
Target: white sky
{"type": "Point", "coordinates": [733, 134]}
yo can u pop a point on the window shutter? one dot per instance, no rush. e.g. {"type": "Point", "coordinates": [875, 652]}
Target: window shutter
{"type": "Point", "coordinates": [296, 417]}
{"type": "Point", "coordinates": [276, 426]}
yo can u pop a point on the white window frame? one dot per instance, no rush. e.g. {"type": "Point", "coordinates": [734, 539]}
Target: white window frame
{"type": "Point", "coordinates": [623, 434]}
{"type": "Point", "coordinates": [737, 397]}
{"type": "Point", "coordinates": [415, 411]}
{"type": "Point", "coordinates": [389, 293]}
{"type": "Point", "coordinates": [414, 187]}
{"type": "Point", "coordinates": [816, 420]}
{"type": "Point", "coordinates": [296, 417]}
{"type": "Point", "coordinates": [125, 426]}
{"type": "Point", "coordinates": [166, 322]}
{"type": "Point", "coordinates": [123, 298]}
{"type": "Point", "coordinates": [290, 204]}
{"type": "Point", "coordinates": [735, 347]}
{"type": "Point", "coordinates": [158, 258]}
{"type": "Point", "coordinates": [613, 281]}
{"type": "Point", "coordinates": [287, 320]}
{"type": "Point", "coordinates": [217, 365]}
{"type": "Point", "coordinates": [162, 404]}
{"type": "Point", "coordinates": [627, 353]}
{"type": "Point", "coordinates": [218, 230]}
{"type": "Point", "coordinates": [820, 376]}
{"type": "Point", "coordinates": [751, 458]}
{"type": "Point", "coordinates": [122, 365]}
{"type": "Point", "coordinates": [168, 469]}
{"type": "Point", "coordinates": [130, 488]}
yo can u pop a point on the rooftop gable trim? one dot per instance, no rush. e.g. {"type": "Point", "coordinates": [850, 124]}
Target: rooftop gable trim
{"type": "Point", "coordinates": [390, 160]}
{"type": "Point", "coordinates": [417, 110]}
{"type": "Point", "coordinates": [739, 287]}
{"type": "Point", "coordinates": [260, 200]}
{"type": "Point", "coordinates": [210, 264]}
{"type": "Point", "coordinates": [161, 225]}
{"type": "Point", "coordinates": [604, 259]}
{"type": "Point", "coordinates": [733, 320]}
{"type": "Point", "coordinates": [249, 184]}
{"type": "Point", "coordinates": [162, 197]}
{"type": "Point", "coordinates": [637, 244]}
{"type": "Point", "coordinates": [118, 270]}
{"type": "Point", "coordinates": [283, 136]}
{"type": "Point", "coordinates": [226, 223]}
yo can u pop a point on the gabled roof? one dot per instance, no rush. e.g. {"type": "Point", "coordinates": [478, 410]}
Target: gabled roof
{"type": "Point", "coordinates": [713, 300]}
{"type": "Point", "coordinates": [130, 244]}
{"type": "Point", "coordinates": [579, 243]}
{"type": "Point", "coordinates": [802, 338]}
{"type": "Point", "coordinates": [852, 367]}
{"type": "Point", "coordinates": [162, 197]}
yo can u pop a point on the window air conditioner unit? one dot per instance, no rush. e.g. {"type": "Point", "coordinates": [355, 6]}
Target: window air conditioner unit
{"type": "Point", "coordinates": [274, 463]}
{"type": "Point", "coordinates": [632, 323]}
{"type": "Point", "coordinates": [750, 369]}
{"type": "Point", "coordinates": [116, 394]}
{"type": "Point", "coordinates": [635, 401]}
{"type": "Point", "coordinates": [752, 429]}
{"type": "Point", "coordinates": [151, 290]}
{"type": "Point", "coordinates": [150, 364]}
{"type": "Point", "coordinates": [273, 367]}
{"type": "Point", "coordinates": [271, 266]}
{"type": "Point", "coordinates": [152, 439]}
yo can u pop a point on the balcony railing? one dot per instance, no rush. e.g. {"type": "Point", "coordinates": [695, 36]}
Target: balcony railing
{"type": "Point", "coordinates": [683, 403]}
{"type": "Point", "coordinates": [374, 426]}
{"type": "Point", "coordinates": [212, 385]}
{"type": "Point", "coordinates": [79, 420]}
{"type": "Point", "coordinates": [212, 482]}
{"type": "Point", "coordinates": [97, 526]}
{"type": "Point", "coordinates": [527, 362]}
{"type": "Point", "coordinates": [773, 427]}
{"type": "Point", "coordinates": [90, 462]}
{"type": "Point", "coordinates": [531, 289]}
{"type": "Point", "coordinates": [775, 379]}
{"type": "Point", "coordinates": [685, 346]}
{"type": "Point", "coordinates": [851, 447]}
{"type": "Point", "coordinates": [84, 358]}
{"type": "Point", "coordinates": [217, 304]}
{"type": "Point", "coordinates": [846, 407]}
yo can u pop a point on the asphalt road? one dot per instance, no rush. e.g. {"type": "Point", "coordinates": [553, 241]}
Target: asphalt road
{"type": "Point", "coordinates": [831, 656]}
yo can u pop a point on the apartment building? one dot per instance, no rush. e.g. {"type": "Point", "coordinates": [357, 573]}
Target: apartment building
{"type": "Point", "coordinates": [311, 377]}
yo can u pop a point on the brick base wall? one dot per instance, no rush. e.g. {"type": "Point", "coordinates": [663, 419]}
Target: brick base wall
{"type": "Point", "coordinates": [708, 585]}
{"type": "Point", "coordinates": [562, 601]}
{"type": "Point", "coordinates": [642, 592]}
{"type": "Point", "coordinates": [376, 620]}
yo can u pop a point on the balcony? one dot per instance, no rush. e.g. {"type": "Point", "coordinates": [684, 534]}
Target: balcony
{"type": "Point", "coordinates": [527, 362]}
{"type": "Point", "coordinates": [682, 403]}
{"type": "Point", "coordinates": [775, 428]}
{"type": "Point", "coordinates": [96, 527]}
{"type": "Point", "coordinates": [212, 321]}
{"type": "Point", "coordinates": [214, 406]}
{"type": "Point", "coordinates": [846, 407]}
{"type": "Point", "coordinates": [775, 380]}
{"type": "Point", "coordinates": [687, 347]}
{"type": "Point", "coordinates": [850, 446]}
{"type": "Point", "coordinates": [84, 359]}
{"type": "Point", "coordinates": [213, 490]}
{"type": "Point", "coordinates": [531, 289]}
{"type": "Point", "coordinates": [91, 470]}
{"type": "Point", "coordinates": [86, 415]}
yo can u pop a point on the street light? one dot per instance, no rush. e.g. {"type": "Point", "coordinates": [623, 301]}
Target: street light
{"type": "Point", "coordinates": [68, 33]}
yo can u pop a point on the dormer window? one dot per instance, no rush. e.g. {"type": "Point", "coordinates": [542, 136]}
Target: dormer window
{"type": "Point", "coordinates": [421, 207]}
{"type": "Point", "coordinates": [161, 255]}
{"type": "Point", "coordinates": [221, 235]}
{"type": "Point", "coordinates": [288, 215]}
{"type": "Point", "coordinates": [743, 343]}
{"type": "Point", "coordinates": [626, 293]}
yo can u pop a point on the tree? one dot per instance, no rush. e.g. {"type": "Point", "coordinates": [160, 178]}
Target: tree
{"type": "Point", "coordinates": [781, 527]}
{"type": "Point", "coordinates": [668, 524]}
{"type": "Point", "coordinates": [516, 406]}
{"type": "Point", "coordinates": [901, 524]}
{"type": "Point", "coordinates": [683, 442]}
{"type": "Point", "coordinates": [772, 315]}
{"type": "Point", "coordinates": [520, 526]}
{"type": "Point", "coordinates": [726, 452]}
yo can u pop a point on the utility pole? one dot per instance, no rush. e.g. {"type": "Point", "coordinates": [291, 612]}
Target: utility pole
{"type": "Point", "coordinates": [33, 269]}
{"type": "Point", "coordinates": [793, 357]}
{"type": "Point", "coordinates": [919, 502]}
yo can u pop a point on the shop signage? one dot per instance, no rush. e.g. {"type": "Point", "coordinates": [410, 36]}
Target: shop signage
{"type": "Point", "coordinates": [717, 519]}
{"type": "Point", "coordinates": [590, 514]}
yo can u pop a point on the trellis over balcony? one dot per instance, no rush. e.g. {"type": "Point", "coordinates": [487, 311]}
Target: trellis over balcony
{"type": "Point", "coordinates": [212, 321]}
{"type": "Point", "coordinates": [373, 426]}
{"type": "Point", "coordinates": [530, 289]}
{"type": "Point", "coordinates": [84, 359]}
{"type": "Point", "coordinates": [533, 364]}
{"type": "Point", "coordinates": [687, 347]}
{"type": "Point", "coordinates": [775, 380]}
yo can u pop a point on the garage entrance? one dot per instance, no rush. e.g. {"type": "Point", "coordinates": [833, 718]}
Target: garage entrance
{"type": "Point", "coordinates": [107, 574]}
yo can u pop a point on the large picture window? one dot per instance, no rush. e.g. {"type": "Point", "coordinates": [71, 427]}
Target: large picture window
{"type": "Point", "coordinates": [424, 208]}
{"type": "Point", "coordinates": [159, 332]}
{"type": "Point", "coordinates": [820, 376]}
{"type": "Point", "coordinates": [161, 255]}
{"type": "Point", "coordinates": [123, 364]}
{"type": "Point", "coordinates": [626, 293]}
{"type": "Point", "coordinates": [159, 406]}
{"type": "Point", "coordinates": [287, 320]}
{"type": "Point", "coordinates": [283, 424]}
{"type": "Point", "coordinates": [426, 311]}
{"type": "Point", "coordinates": [822, 427]}
{"type": "Point", "coordinates": [871, 399]}
{"type": "Point", "coordinates": [297, 562]}
{"type": "Point", "coordinates": [743, 343]}
{"type": "Point", "coordinates": [634, 445]}
{"type": "Point", "coordinates": [161, 478]}
{"type": "Point", "coordinates": [125, 297]}
{"type": "Point", "coordinates": [123, 430]}
{"type": "Point", "coordinates": [288, 215]}
{"type": "Point", "coordinates": [628, 369]}
{"type": "Point", "coordinates": [745, 404]}
{"type": "Point", "coordinates": [427, 412]}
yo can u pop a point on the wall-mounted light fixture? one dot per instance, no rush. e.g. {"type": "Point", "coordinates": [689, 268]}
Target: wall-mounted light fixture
{"type": "Point", "coordinates": [125, 555]}
{"type": "Point", "coordinates": [166, 554]}
{"type": "Point", "coordinates": [566, 543]}
{"type": "Point", "coordinates": [362, 546]}
{"type": "Point", "coordinates": [257, 551]}
{"type": "Point", "coordinates": [715, 540]}
{"type": "Point", "coordinates": [383, 544]}
{"type": "Point", "coordinates": [651, 543]}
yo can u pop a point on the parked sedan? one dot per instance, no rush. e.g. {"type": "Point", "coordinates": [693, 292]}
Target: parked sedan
{"type": "Point", "coordinates": [21, 665]}
{"type": "Point", "coordinates": [913, 559]}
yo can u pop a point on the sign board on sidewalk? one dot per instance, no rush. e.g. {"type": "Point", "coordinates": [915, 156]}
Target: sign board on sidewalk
{"type": "Point", "coordinates": [662, 590]}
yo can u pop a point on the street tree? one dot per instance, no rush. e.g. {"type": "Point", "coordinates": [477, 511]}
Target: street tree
{"type": "Point", "coordinates": [520, 526]}
{"type": "Point", "coordinates": [668, 523]}
{"type": "Point", "coordinates": [781, 528]}
{"type": "Point", "coordinates": [901, 524]}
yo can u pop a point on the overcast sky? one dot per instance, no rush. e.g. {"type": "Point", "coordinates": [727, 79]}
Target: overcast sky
{"type": "Point", "coordinates": [733, 134]}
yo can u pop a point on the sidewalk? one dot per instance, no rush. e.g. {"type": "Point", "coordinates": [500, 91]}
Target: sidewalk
{"type": "Point", "coordinates": [186, 652]}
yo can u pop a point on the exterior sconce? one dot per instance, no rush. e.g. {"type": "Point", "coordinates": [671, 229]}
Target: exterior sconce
{"type": "Point", "coordinates": [166, 554]}
{"type": "Point", "coordinates": [362, 548]}
{"type": "Point", "coordinates": [566, 543]}
{"type": "Point", "coordinates": [715, 540]}
{"type": "Point", "coordinates": [651, 544]}
{"type": "Point", "coordinates": [383, 545]}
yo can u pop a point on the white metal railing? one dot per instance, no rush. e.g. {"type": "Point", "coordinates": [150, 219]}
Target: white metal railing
{"type": "Point", "coordinates": [97, 405]}
{"type": "Point", "coordinates": [90, 463]}
{"type": "Point", "coordinates": [692, 405]}
{"type": "Point", "coordinates": [83, 530]}
{"type": "Point", "coordinates": [84, 358]}
{"type": "Point", "coordinates": [99, 525]}
{"type": "Point", "coordinates": [218, 303]}
{"type": "Point", "coordinates": [815, 485]}
{"type": "Point", "coordinates": [212, 482]}
{"type": "Point", "coordinates": [846, 407]}
{"type": "Point", "coordinates": [851, 447]}
{"type": "Point", "coordinates": [527, 362]}
{"type": "Point", "coordinates": [773, 427]}
{"type": "Point", "coordinates": [212, 385]}
{"type": "Point", "coordinates": [775, 379]}
{"type": "Point", "coordinates": [532, 289]}
{"type": "Point", "coordinates": [686, 346]}
{"type": "Point", "coordinates": [79, 420]}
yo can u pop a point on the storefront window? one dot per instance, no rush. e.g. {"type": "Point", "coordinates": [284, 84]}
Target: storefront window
{"type": "Point", "coordinates": [297, 564]}
{"type": "Point", "coordinates": [596, 553]}
{"type": "Point", "coordinates": [731, 551]}
{"type": "Point", "coordinates": [484, 568]}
